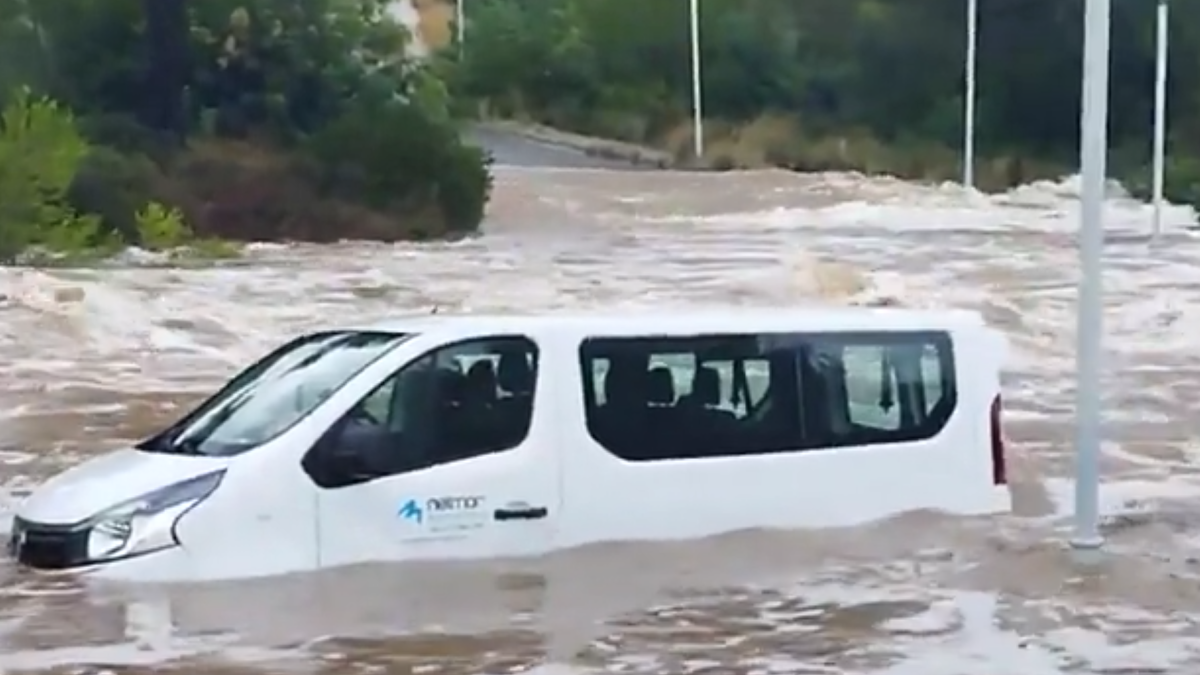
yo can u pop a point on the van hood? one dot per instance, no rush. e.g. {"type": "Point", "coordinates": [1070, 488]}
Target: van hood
{"type": "Point", "coordinates": [87, 489]}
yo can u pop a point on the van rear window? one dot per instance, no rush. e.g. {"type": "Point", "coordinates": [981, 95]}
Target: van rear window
{"type": "Point", "coordinates": [677, 397]}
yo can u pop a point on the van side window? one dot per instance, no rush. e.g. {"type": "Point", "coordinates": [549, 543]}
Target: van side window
{"type": "Point", "coordinates": [866, 376]}
{"type": "Point", "coordinates": [661, 398]}
{"type": "Point", "coordinates": [460, 401]}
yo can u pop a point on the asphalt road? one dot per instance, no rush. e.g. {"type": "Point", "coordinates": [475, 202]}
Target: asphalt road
{"type": "Point", "coordinates": [515, 150]}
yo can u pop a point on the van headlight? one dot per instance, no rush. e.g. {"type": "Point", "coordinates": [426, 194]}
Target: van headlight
{"type": "Point", "coordinates": [147, 524]}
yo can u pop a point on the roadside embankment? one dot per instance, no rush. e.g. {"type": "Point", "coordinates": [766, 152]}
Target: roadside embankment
{"type": "Point", "coordinates": [520, 144]}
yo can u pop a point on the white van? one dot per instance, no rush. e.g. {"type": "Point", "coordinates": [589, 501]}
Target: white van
{"type": "Point", "coordinates": [450, 437]}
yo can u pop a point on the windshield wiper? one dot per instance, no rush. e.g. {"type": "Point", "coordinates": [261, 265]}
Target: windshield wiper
{"type": "Point", "coordinates": [185, 446]}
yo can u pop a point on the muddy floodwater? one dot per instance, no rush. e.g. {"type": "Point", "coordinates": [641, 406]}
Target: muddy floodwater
{"type": "Point", "coordinates": [95, 358]}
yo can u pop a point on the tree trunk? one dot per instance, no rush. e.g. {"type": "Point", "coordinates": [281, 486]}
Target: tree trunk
{"type": "Point", "coordinates": [167, 66]}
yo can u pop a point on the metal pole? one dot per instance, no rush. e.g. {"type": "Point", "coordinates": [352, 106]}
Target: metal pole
{"type": "Point", "coordinates": [969, 103]}
{"type": "Point", "coordinates": [1160, 113]}
{"type": "Point", "coordinates": [460, 22]}
{"type": "Point", "coordinates": [1093, 144]}
{"type": "Point", "coordinates": [697, 94]}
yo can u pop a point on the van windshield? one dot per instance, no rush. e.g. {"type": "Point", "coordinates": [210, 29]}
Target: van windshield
{"type": "Point", "coordinates": [270, 396]}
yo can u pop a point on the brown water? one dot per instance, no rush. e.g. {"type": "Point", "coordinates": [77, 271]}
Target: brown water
{"type": "Point", "coordinates": [92, 359]}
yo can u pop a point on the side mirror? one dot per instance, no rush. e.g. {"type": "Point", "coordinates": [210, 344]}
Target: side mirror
{"type": "Point", "coordinates": [329, 441]}
{"type": "Point", "coordinates": [327, 463]}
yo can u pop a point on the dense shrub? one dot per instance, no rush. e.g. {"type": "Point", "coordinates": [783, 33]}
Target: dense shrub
{"type": "Point", "coordinates": [125, 135]}
{"type": "Point", "coordinates": [242, 192]}
{"type": "Point", "coordinates": [114, 186]}
{"type": "Point", "coordinates": [191, 120]}
{"type": "Point", "coordinates": [398, 159]}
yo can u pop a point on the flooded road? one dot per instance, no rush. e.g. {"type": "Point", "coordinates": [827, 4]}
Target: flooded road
{"type": "Point", "coordinates": [92, 359]}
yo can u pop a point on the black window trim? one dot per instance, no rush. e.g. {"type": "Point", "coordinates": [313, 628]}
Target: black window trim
{"type": "Point", "coordinates": [536, 352]}
{"type": "Point", "coordinates": [938, 419]}
{"type": "Point", "coordinates": [934, 424]}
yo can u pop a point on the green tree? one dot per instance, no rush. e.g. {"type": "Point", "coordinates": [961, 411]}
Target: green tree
{"type": "Point", "coordinates": [41, 149]}
{"type": "Point", "coordinates": [210, 112]}
{"type": "Point", "coordinates": [294, 66]}
{"type": "Point", "coordinates": [853, 84]}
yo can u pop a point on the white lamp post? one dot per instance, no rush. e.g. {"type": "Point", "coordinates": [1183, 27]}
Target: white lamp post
{"type": "Point", "coordinates": [1160, 112]}
{"type": "Point", "coordinates": [460, 22]}
{"type": "Point", "coordinates": [969, 101]}
{"type": "Point", "coordinates": [1093, 142]}
{"type": "Point", "coordinates": [697, 86]}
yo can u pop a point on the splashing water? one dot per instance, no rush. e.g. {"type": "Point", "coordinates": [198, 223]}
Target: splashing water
{"type": "Point", "coordinates": [93, 358]}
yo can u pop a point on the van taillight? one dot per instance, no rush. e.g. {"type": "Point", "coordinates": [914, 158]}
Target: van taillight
{"type": "Point", "coordinates": [999, 470]}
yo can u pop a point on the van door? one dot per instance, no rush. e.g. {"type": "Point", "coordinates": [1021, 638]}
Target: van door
{"type": "Point", "coordinates": [453, 456]}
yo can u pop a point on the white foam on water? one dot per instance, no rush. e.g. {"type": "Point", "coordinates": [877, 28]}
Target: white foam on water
{"type": "Point", "coordinates": [1123, 497]}
{"type": "Point", "coordinates": [218, 651]}
{"type": "Point", "coordinates": [662, 241]}
{"type": "Point", "coordinates": [961, 634]}
{"type": "Point", "coordinates": [1039, 207]}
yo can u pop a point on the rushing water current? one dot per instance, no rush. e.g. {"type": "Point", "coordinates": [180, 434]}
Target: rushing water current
{"type": "Point", "coordinates": [93, 358]}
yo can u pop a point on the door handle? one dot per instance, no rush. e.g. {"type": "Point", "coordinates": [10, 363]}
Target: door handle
{"type": "Point", "coordinates": [531, 513]}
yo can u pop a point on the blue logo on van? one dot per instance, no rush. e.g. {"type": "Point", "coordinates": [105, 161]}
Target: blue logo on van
{"type": "Point", "coordinates": [411, 510]}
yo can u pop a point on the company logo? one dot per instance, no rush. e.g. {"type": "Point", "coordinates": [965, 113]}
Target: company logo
{"type": "Point", "coordinates": [444, 504]}
{"type": "Point", "coordinates": [412, 511]}
{"type": "Point", "coordinates": [441, 515]}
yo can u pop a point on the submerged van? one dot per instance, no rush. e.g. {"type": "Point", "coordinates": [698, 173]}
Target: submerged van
{"type": "Point", "coordinates": [455, 437]}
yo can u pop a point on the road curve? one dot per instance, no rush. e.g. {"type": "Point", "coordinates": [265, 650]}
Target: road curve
{"type": "Point", "coordinates": [514, 149]}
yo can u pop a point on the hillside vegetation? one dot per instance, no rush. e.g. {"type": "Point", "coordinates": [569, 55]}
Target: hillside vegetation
{"type": "Point", "coordinates": [869, 85]}
{"type": "Point", "coordinates": [166, 123]}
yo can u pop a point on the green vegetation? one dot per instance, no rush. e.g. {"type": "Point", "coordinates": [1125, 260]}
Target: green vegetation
{"type": "Point", "coordinates": [870, 85]}
{"type": "Point", "coordinates": [177, 125]}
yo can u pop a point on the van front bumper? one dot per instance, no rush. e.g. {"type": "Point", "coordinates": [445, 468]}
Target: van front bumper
{"type": "Point", "coordinates": [48, 547]}
{"type": "Point", "coordinates": [45, 547]}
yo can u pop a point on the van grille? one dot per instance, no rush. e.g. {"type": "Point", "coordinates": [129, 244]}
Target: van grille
{"type": "Point", "coordinates": [48, 547]}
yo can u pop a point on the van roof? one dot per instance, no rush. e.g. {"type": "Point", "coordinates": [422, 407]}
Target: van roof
{"type": "Point", "coordinates": [665, 322]}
